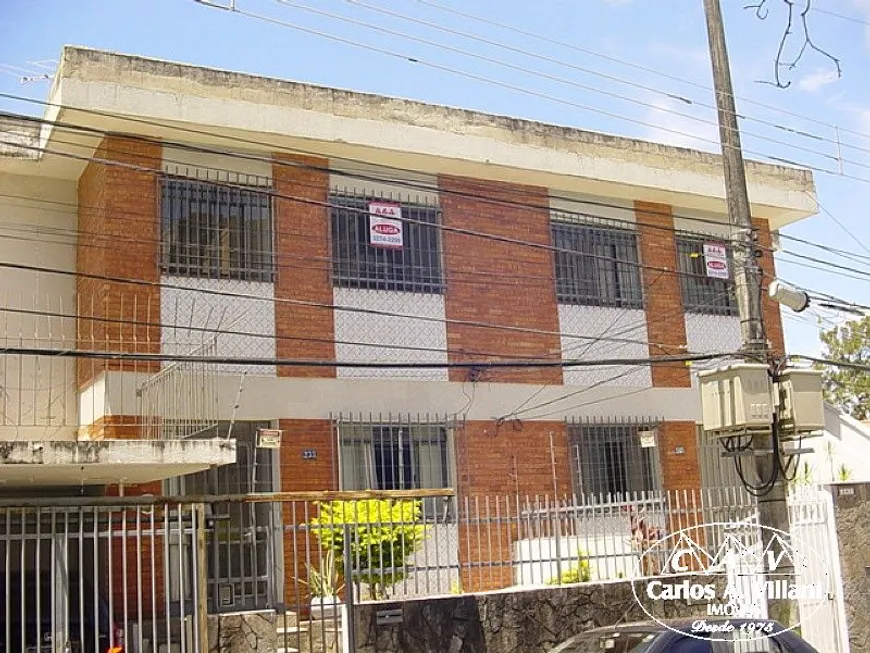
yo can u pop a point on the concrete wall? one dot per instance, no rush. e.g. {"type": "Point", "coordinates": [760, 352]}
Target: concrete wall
{"type": "Point", "coordinates": [37, 396]}
{"type": "Point", "coordinates": [852, 513]}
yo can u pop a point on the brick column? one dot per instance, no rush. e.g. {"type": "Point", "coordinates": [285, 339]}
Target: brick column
{"type": "Point", "coordinates": [666, 322]}
{"type": "Point", "coordinates": [771, 309]}
{"type": "Point", "coordinates": [119, 221]}
{"type": "Point", "coordinates": [519, 290]}
{"type": "Point", "coordinates": [498, 467]}
{"type": "Point", "coordinates": [302, 474]}
{"type": "Point", "coordinates": [666, 329]}
{"type": "Point", "coordinates": [303, 258]}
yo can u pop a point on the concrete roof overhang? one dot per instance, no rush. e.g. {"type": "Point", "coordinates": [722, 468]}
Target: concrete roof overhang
{"type": "Point", "coordinates": [107, 462]}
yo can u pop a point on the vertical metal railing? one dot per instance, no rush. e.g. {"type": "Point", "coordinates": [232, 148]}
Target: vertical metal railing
{"type": "Point", "coordinates": [136, 572]}
{"type": "Point", "coordinates": [181, 401]}
{"type": "Point", "coordinates": [86, 577]}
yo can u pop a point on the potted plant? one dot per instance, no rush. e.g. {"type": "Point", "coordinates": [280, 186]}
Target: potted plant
{"type": "Point", "coordinates": [325, 585]}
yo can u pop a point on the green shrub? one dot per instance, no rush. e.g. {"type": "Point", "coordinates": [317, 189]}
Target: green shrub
{"type": "Point", "coordinates": [383, 533]}
{"type": "Point", "coordinates": [579, 572]}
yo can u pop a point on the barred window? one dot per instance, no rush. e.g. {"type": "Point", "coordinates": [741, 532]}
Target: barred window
{"type": "Point", "coordinates": [701, 293]}
{"type": "Point", "coordinates": [599, 268]}
{"type": "Point", "coordinates": [614, 459]}
{"type": "Point", "coordinates": [412, 263]}
{"type": "Point", "coordinates": [215, 231]}
{"type": "Point", "coordinates": [394, 457]}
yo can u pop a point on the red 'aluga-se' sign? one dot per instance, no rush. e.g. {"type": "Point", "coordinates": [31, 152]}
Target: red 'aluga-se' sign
{"type": "Point", "coordinates": [385, 225]}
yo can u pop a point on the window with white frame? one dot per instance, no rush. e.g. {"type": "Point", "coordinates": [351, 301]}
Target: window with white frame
{"type": "Point", "coordinates": [614, 459]}
{"type": "Point", "coordinates": [384, 244]}
{"type": "Point", "coordinates": [703, 293]}
{"type": "Point", "coordinates": [215, 230]}
{"type": "Point", "coordinates": [596, 265]}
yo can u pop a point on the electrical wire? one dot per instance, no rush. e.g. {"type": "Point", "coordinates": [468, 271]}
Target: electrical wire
{"type": "Point", "coordinates": [327, 204]}
{"type": "Point", "coordinates": [297, 302]}
{"type": "Point", "coordinates": [63, 352]}
{"type": "Point", "coordinates": [348, 173]}
{"type": "Point", "coordinates": [639, 67]}
{"type": "Point", "coordinates": [539, 73]}
{"type": "Point", "coordinates": [833, 217]}
{"type": "Point", "coordinates": [728, 240]}
{"type": "Point", "coordinates": [519, 89]}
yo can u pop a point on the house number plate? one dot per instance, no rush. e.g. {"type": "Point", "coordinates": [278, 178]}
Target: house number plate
{"type": "Point", "coordinates": [309, 454]}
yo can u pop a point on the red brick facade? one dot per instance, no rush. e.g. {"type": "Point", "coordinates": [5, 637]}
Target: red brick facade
{"type": "Point", "coordinates": [118, 210]}
{"type": "Point", "coordinates": [497, 467]}
{"type": "Point", "coordinates": [666, 324]}
{"type": "Point", "coordinates": [771, 313]}
{"type": "Point", "coordinates": [302, 256]}
{"type": "Point", "coordinates": [514, 294]}
{"type": "Point", "coordinates": [299, 474]}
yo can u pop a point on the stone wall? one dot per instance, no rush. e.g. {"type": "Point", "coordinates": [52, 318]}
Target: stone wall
{"type": "Point", "coordinates": [527, 621]}
{"type": "Point", "coordinates": [852, 510]}
{"type": "Point", "coordinates": [248, 632]}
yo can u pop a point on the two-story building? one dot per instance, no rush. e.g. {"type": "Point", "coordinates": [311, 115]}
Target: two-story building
{"type": "Point", "coordinates": [165, 209]}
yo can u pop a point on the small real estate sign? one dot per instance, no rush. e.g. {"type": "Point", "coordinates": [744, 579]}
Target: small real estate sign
{"type": "Point", "coordinates": [385, 225]}
{"type": "Point", "coordinates": [716, 260]}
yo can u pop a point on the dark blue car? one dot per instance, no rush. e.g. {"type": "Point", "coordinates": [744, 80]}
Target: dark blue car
{"type": "Point", "coordinates": [689, 636]}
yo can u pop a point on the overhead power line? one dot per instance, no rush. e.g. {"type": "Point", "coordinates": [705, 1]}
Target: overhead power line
{"type": "Point", "coordinates": [294, 302]}
{"type": "Point", "coordinates": [348, 173]}
{"type": "Point", "coordinates": [327, 204]}
{"type": "Point", "coordinates": [526, 91]}
{"type": "Point", "coordinates": [514, 87]}
{"type": "Point", "coordinates": [62, 352]}
{"type": "Point", "coordinates": [639, 67]}
{"type": "Point", "coordinates": [272, 193]}
{"type": "Point", "coordinates": [569, 82]}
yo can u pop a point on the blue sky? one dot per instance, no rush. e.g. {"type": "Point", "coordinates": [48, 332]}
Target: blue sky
{"type": "Point", "coordinates": [614, 40]}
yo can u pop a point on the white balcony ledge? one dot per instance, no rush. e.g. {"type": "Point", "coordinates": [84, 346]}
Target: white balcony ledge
{"type": "Point", "coordinates": [107, 462]}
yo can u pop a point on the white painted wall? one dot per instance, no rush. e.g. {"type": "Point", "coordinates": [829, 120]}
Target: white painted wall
{"type": "Point", "coordinates": [379, 330]}
{"type": "Point", "coordinates": [266, 398]}
{"type": "Point", "coordinates": [581, 326]}
{"type": "Point", "coordinates": [597, 207]}
{"type": "Point", "coordinates": [846, 442]}
{"type": "Point", "coordinates": [248, 308]}
{"type": "Point", "coordinates": [251, 169]}
{"type": "Point", "coordinates": [38, 220]}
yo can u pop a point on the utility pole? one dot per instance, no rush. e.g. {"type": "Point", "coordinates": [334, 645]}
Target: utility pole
{"type": "Point", "coordinates": [772, 505]}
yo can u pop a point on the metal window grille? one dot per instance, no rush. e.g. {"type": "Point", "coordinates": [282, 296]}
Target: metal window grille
{"type": "Point", "coordinates": [394, 454]}
{"type": "Point", "coordinates": [600, 266]}
{"type": "Point", "coordinates": [703, 294]}
{"type": "Point", "coordinates": [240, 538]}
{"type": "Point", "coordinates": [216, 231]}
{"type": "Point", "coordinates": [415, 267]}
{"type": "Point", "coordinates": [610, 460]}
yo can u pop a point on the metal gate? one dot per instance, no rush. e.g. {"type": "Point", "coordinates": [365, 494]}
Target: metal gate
{"type": "Point", "coordinates": [86, 576]}
{"type": "Point", "coordinates": [822, 621]}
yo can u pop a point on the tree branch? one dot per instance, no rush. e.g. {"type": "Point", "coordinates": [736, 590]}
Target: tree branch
{"type": "Point", "coordinates": [761, 9]}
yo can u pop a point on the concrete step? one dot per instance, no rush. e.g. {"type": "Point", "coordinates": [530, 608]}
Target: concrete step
{"type": "Point", "coordinates": [286, 649]}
